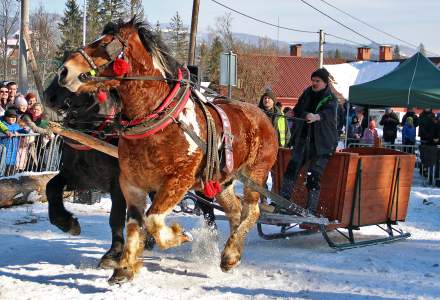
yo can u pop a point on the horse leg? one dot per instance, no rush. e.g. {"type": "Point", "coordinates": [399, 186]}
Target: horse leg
{"type": "Point", "coordinates": [249, 215]}
{"type": "Point", "coordinates": [58, 215]}
{"type": "Point", "coordinates": [111, 258]}
{"type": "Point", "coordinates": [231, 205]}
{"type": "Point", "coordinates": [168, 196]}
{"type": "Point", "coordinates": [131, 262]}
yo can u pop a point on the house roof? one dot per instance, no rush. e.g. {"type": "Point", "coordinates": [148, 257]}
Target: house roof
{"type": "Point", "coordinates": [292, 73]}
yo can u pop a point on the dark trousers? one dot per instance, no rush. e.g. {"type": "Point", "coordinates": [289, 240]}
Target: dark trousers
{"type": "Point", "coordinates": [301, 156]}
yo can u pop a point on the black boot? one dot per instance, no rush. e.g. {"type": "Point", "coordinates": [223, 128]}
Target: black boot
{"type": "Point", "coordinates": [287, 187]}
{"type": "Point", "coordinates": [313, 201]}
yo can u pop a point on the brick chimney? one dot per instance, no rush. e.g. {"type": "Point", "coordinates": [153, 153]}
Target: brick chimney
{"type": "Point", "coordinates": [385, 52]}
{"type": "Point", "coordinates": [364, 53]}
{"type": "Point", "coordinates": [295, 50]}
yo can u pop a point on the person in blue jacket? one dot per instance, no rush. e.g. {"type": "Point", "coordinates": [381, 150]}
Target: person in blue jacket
{"type": "Point", "coordinates": [11, 141]}
{"type": "Point", "coordinates": [409, 134]}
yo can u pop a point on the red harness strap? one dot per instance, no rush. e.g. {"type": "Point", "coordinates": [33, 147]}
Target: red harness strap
{"type": "Point", "coordinates": [164, 105]}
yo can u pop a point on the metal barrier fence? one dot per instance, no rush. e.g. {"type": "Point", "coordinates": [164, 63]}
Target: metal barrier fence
{"type": "Point", "coordinates": [29, 153]}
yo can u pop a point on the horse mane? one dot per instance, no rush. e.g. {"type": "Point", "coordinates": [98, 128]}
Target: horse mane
{"type": "Point", "coordinates": [151, 41]}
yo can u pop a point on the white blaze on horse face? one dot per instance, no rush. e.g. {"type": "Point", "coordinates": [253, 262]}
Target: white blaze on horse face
{"type": "Point", "coordinates": [189, 117]}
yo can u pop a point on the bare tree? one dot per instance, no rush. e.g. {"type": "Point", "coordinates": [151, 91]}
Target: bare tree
{"type": "Point", "coordinates": [223, 28]}
{"type": "Point", "coordinates": [257, 67]}
{"type": "Point", "coordinates": [9, 12]}
{"type": "Point", "coordinates": [43, 28]}
{"type": "Point", "coordinates": [134, 8]}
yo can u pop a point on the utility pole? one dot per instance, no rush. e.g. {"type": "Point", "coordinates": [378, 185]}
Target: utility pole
{"type": "Point", "coordinates": [321, 48]}
{"type": "Point", "coordinates": [22, 63]}
{"type": "Point", "coordinates": [84, 23]}
{"type": "Point", "coordinates": [193, 34]}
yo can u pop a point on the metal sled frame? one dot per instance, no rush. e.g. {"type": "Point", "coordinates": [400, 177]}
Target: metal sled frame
{"type": "Point", "coordinates": [394, 233]}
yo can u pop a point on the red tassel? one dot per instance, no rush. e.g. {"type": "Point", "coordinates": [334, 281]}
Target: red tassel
{"type": "Point", "coordinates": [120, 67]}
{"type": "Point", "coordinates": [212, 188]}
{"type": "Point", "coordinates": [101, 96]}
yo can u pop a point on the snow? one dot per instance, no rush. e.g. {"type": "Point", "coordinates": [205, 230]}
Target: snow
{"type": "Point", "coordinates": [348, 74]}
{"type": "Point", "coordinates": [39, 261]}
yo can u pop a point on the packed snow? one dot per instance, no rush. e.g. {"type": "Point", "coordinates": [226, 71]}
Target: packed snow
{"type": "Point", "coordinates": [38, 261]}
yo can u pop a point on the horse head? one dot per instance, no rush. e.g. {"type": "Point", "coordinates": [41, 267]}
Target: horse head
{"type": "Point", "coordinates": [124, 49]}
{"type": "Point", "coordinates": [79, 110]}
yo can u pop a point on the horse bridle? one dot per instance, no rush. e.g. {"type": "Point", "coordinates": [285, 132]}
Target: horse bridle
{"type": "Point", "coordinates": [114, 49]}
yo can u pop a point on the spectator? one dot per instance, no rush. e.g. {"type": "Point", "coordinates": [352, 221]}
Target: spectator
{"type": "Point", "coordinates": [36, 121]}
{"type": "Point", "coordinates": [434, 132]}
{"type": "Point", "coordinates": [31, 100]}
{"type": "Point", "coordinates": [3, 99]}
{"type": "Point", "coordinates": [425, 123]}
{"type": "Point", "coordinates": [267, 104]}
{"type": "Point", "coordinates": [370, 134]}
{"type": "Point", "coordinates": [389, 122]}
{"type": "Point", "coordinates": [410, 113]}
{"type": "Point", "coordinates": [21, 106]}
{"type": "Point", "coordinates": [287, 111]}
{"type": "Point", "coordinates": [12, 88]}
{"type": "Point", "coordinates": [408, 134]}
{"type": "Point", "coordinates": [11, 142]}
{"type": "Point", "coordinates": [354, 130]}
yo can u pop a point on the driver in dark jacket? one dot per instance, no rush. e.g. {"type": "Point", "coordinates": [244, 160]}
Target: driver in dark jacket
{"type": "Point", "coordinates": [315, 137]}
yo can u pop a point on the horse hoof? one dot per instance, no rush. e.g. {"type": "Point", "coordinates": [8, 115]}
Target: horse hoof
{"type": "Point", "coordinates": [71, 225]}
{"type": "Point", "coordinates": [109, 262]}
{"type": "Point", "coordinates": [74, 227]}
{"type": "Point", "coordinates": [121, 275]}
{"type": "Point", "coordinates": [228, 263]}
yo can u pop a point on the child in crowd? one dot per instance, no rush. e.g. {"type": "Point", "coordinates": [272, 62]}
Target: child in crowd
{"type": "Point", "coordinates": [10, 143]}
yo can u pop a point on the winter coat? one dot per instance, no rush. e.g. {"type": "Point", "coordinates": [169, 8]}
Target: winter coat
{"type": "Point", "coordinates": [11, 144]}
{"type": "Point", "coordinates": [324, 132]}
{"type": "Point", "coordinates": [37, 124]}
{"type": "Point", "coordinates": [369, 136]}
{"type": "Point", "coordinates": [408, 134]}
{"type": "Point", "coordinates": [425, 124]}
{"type": "Point", "coordinates": [354, 129]}
{"type": "Point", "coordinates": [434, 133]}
{"type": "Point", "coordinates": [279, 122]}
{"type": "Point", "coordinates": [389, 123]}
{"type": "Point", "coordinates": [413, 116]}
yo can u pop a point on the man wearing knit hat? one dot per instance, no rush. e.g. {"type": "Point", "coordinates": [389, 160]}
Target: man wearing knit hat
{"type": "Point", "coordinates": [314, 139]}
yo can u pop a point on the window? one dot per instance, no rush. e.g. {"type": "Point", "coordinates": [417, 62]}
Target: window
{"type": "Point", "coordinates": [13, 71]}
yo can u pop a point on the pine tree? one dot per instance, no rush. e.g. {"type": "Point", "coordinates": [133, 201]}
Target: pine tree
{"type": "Point", "coordinates": [396, 52]}
{"type": "Point", "coordinates": [71, 28]}
{"type": "Point", "coordinates": [134, 8]}
{"type": "Point", "coordinates": [179, 38]}
{"type": "Point", "coordinates": [112, 10]}
{"type": "Point", "coordinates": [203, 61]}
{"type": "Point", "coordinates": [337, 53]}
{"type": "Point", "coordinates": [214, 60]}
{"type": "Point", "coordinates": [158, 29]}
{"type": "Point", "coordinates": [94, 24]}
{"type": "Point", "coordinates": [422, 49]}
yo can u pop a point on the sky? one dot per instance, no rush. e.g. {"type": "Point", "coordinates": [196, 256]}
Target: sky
{"type": "Point", "coordinates": [413, 21]}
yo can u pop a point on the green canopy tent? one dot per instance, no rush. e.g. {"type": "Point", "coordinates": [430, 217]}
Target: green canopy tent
{"type": "Point", "coordinates": [414, 83]}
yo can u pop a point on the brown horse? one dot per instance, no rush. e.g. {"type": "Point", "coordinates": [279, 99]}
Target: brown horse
{"type": "Point", "coordinates": [169, 162]}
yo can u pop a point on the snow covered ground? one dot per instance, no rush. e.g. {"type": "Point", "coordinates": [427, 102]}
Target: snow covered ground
{"type": "Point", "coordinates": [38, 261]}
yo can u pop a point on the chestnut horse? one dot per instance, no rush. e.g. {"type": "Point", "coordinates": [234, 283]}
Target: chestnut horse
{"type": "Point", "coordinates": [169, 161]}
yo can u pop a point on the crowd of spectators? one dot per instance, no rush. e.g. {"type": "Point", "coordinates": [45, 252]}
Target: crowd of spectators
{"type": "Point", "coordinates": [21, 115]}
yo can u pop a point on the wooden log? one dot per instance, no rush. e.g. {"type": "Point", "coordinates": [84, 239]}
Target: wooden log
{"type": "Point", "coordinates": [27, 188]}
{"type": "Point", "coordinates": [85, 139]}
